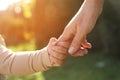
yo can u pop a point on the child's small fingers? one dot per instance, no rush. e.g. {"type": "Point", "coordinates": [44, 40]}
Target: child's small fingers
{"type": "Point", "coordinates": [57, 55]}
{"type": "Point", "coordinates": [52, 41]}
{"type": "Point", "coordinates": [55, 61]}
{"type": "Point", "coordinates": [84, 50]}
{"type": "Point", "coordinates": [80, 52]}
{"type": "Point", "coordinates": [86, 44]}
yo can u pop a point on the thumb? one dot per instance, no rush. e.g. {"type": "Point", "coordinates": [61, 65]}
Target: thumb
{"type": "Point", "coordinates": [76, 42]}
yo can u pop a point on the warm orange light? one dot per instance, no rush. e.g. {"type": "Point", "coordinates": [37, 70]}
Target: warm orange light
{"type": "Point", "coordinates": [18, 10]}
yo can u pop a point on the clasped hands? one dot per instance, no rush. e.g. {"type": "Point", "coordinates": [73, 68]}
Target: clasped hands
{"type": "Point", "coordinates": [73, 39]}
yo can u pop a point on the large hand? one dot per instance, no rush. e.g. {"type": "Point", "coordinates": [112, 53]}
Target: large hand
{"type": "Point", "coordinates": [81, 24]}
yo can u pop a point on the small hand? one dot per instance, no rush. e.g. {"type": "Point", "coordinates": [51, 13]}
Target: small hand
{"type": "Point", "coordinates": [57, 51]}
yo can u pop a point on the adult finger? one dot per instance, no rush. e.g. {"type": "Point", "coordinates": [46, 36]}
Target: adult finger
{"type": "Point", "coordinates": [86, 44]}
{"type": "Point", "coordinates": [76, 42]}
{"type": "Point", "coordinates": [68, 33]}
{"type": "Point", "coordinates": [55, 61]}
{"type": "Point", "coordinates": [57, 55]}
{"type": "Point", "coordinates": [80, 52]}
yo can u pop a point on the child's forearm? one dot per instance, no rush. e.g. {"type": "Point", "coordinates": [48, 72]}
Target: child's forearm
{"type": "Point", "coordinates": [23, 63]}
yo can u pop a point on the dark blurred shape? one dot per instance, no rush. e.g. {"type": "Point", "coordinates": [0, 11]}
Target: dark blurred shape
{"type": "Point", "coordinates": [112, 21]}
{"type": "Point", "coordinates": [107, 39]}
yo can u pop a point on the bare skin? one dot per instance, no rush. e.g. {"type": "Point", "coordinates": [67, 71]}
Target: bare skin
{"type": "Point", "coordinates": [82, 24]}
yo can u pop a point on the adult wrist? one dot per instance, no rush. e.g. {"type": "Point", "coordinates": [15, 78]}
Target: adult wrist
{"type": "Point", "coordinates": [97, 5]}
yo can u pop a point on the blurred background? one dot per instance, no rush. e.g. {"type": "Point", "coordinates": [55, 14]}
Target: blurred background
{"type": "Point", "coordinates": [29, 24]}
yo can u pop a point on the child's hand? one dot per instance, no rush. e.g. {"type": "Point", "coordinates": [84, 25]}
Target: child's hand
{"type": "Point", "coordinates": [57, 51]}
{"type": "Point", "coordinates": [82, 49]}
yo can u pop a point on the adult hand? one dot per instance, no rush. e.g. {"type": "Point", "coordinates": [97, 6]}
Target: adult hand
{"type": "Point", "coordinates": [81, 24]}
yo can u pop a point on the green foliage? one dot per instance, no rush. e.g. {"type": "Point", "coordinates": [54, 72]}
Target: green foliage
{"type": "Point", "coordinates": [37, 76]}
{"type": "Point", "coordinates": [24, 46]}
{"type": "Point", "coordinates": [106, 35]}
{"type": "Point", "coordinates": [90, 67]}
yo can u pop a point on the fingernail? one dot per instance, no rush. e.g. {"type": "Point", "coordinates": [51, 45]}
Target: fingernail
{"type": "Point", "coordinates": [71, 50]}
{"type": "Point", "coordinates": [82, 48]}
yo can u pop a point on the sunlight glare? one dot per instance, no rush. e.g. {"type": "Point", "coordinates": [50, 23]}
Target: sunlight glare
{"type": "Point", "coordinates": [4, 4]}
{"type": "Point", "coordinates": [27, 1]}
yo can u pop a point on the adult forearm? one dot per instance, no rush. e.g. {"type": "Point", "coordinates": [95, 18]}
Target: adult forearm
{"type": "Point", "coordinates": [96, 4]}
{"type": "Point", "coordinates": [90, 11]}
